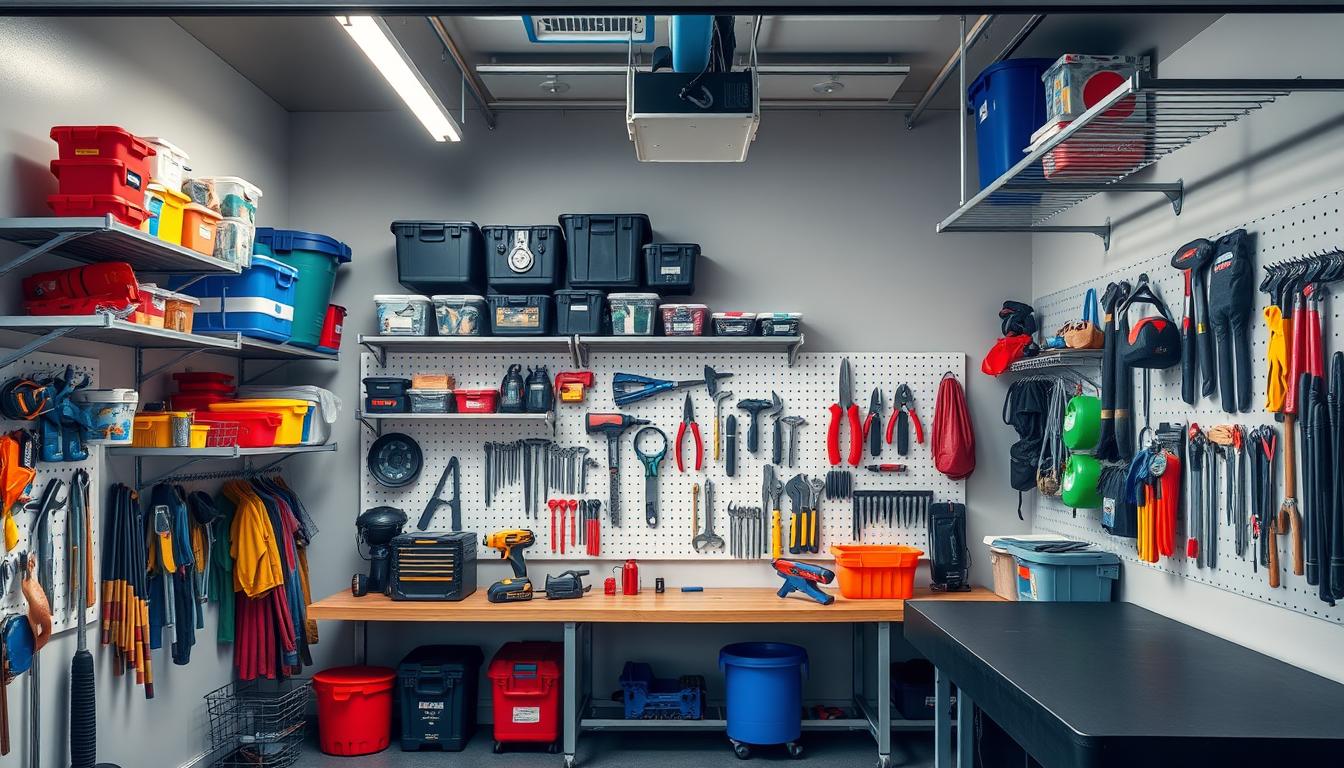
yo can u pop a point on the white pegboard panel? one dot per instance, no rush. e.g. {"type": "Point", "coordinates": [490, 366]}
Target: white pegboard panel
{"type": "Point", "coordinates": [807, 389]}
{"type": "Point", "coordinates": [12, 600]}
{"type": "Point", "coordinates": [1303, 229]}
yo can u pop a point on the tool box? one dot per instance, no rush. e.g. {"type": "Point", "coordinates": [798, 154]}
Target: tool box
{"type": "Point", "coordinates": [605, 249]}
{"type": "Point", "coordinates": [525, 692]}
{"type": "Point", "coordinates": [433, 566]}
{"type": "Point", "coordinates": [578, 312]}
{"type": "Point", "coordinates": [440, 256]}
{"type": "Point", "coordinates": [1080, 576]}
{"type": "Point", "coordinates": [436, 687]}
{"type": "Point", "coordinates": [523, 259]}
{"type": "Point", "coordinates": [669, 268]}
{"type": "Point", "coordinates": [386, 394]}
{"type": "Point", "coordinates": [652, 698]}
{"type": "Point", "coordinates": [520, 315]}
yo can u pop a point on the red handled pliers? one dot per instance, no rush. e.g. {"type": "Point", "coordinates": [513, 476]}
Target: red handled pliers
{"type": "Point", "coordinates": [688, 420]}
{"type": "Point", "coordinates": [905, 418]}
{"type": "Point", "coordinates": [845, 408]}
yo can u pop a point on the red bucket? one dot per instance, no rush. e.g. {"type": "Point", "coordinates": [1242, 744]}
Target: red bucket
{"type": "Point", "coordinates": [354, 709]}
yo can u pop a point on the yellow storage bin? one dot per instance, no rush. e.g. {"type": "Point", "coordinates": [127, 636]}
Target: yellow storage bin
{"type": "Point", "coordinates": [154, 430]}
{"type": "Point", "coordinates": [173, 203]}
{"type": "Point", "coordinates": [292, 414]}
{"type": "Point", "coordinates": [199, 432]}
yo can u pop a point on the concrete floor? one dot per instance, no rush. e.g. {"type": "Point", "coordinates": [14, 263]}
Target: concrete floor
{"type": "Point", "coordinates": [648, 750]}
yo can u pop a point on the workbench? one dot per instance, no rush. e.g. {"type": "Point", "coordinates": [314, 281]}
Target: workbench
{"type": "Point", "coordinates": [712, 606]}
{"type": "Point", "coordinates": [1103, 685]}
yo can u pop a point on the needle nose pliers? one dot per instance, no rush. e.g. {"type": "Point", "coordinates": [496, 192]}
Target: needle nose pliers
{"type": "Point", "coordinates": [872, 423]}
{"type": "Point", "coordinates": [845, 408]}
{"type": "Point", "coordinates": [905, 418]}
{"type": "Point", "coordinates": [688, 420]}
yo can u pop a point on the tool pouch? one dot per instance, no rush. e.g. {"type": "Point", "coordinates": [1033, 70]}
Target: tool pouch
{"type": "Point", "coordinates": [1085, 333]}
{"type": "Point", "coordinates": [949, 558]}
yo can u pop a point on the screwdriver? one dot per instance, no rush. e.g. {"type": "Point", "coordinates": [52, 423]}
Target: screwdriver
{"type": "Point", "coordinates": [885, 467]}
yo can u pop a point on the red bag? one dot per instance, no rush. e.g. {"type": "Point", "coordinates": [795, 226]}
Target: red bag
{"type": "Point", "coordinates": [110, 280]}
{"type": "Point", "coordinates": [1004, 353]}
{"type": "Point", "coordinates": [953, 438]}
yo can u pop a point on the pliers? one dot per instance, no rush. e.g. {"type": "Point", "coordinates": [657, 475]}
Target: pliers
{"type": "Point", "coordinates": [688, 420]}
{"type": "Point", "coordinates": [845, 407]}
{"type": "Point", "coordinates": [905, 418]}
{"type": "Point", "coordinates": [872, 423]}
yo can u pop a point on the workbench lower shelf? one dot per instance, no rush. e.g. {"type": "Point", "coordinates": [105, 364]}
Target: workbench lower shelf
{"type": "Point", "coordinates": [606, 717]}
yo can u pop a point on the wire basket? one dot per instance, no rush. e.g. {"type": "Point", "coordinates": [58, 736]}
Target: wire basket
{"type": "Point", "coordinates": [222, 435]}
{"type": "Point", "coordinates": [258, 723]}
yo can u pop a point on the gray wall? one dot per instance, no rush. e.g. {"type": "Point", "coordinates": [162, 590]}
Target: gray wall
{"type": "Point", "coordinates": [832, 215]}
{"type": "Point", "coordinates": [150, 77]}
{"type": "Point", "coordinates": [1287, 153]}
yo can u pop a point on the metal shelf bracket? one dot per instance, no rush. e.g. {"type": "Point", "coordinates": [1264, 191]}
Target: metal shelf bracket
{"type": "Point", "coordinates": [34, 345]}
{"type": "Point", "coordinates": [794, 349]}
{"type": "Point", "coordinates": [378, 351]}
{"type": "Point", "coordinates": [176, 360]}
{"type": "Point", "coordinates": [36, 251]}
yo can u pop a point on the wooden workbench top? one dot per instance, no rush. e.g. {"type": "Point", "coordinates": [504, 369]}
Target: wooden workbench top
{"type": "Point", "coordinates": [740, 605]}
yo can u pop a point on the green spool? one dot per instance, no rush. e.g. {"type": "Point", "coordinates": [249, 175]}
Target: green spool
{"type": "Point", "coordinates": [1082, 423]}
{"type": "Point", "coordinates": [1079, 490]}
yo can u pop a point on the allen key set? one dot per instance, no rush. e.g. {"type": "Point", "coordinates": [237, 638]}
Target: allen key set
{"type": "Point", "coordinates": [904, 509]}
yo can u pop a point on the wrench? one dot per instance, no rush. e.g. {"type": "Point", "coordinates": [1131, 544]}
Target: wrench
{"type": "Point", "coordinates": [818, 485]}
{"type": "Point", "coordinates": [708, 539]}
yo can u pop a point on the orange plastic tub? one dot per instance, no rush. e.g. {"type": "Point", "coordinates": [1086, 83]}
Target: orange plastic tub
{"type": "Point", "coordinates": [198, 228]}
{"type": "Point", "coordinates": [876, 571]}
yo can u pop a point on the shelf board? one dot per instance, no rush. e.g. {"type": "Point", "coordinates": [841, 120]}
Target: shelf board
{"type": "Point", "coordinates": [374, 420]}
{"type": "Point", "coordinates": [229, 452]}
{"type": "Point", "coordinates": [680, 344]}
{"type": "Point", "coordinates": [1077, 358]}
{"type": "Point", "coordinates": [380, 346]}
{"type": "Point", "coordinates": [1159, 117]}
{"type": "Point", "coordinates": [580, 348]}
{"type": "Point", "coordinates": [108, 330]}
{"type": "Point", "coordinates": [257, 349]}
{"type": "Point", "coordinates": [95, 239]}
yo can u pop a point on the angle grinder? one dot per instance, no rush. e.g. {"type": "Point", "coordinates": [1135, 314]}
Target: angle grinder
{"type": "Point", "coordinates": [376, 528]}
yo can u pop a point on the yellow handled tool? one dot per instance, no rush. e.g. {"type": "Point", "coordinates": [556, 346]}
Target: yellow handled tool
{"type": "Point", "coordinates": [776, 536]}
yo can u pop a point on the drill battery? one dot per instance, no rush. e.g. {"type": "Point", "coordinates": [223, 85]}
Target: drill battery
{"type": "Point", "coordinates": [433, 566]}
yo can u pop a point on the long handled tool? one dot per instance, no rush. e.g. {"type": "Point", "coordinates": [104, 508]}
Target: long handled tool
{"type": "Point", "coordinates": [627, 388]}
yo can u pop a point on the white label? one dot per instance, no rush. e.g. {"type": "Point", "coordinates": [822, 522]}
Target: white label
{"type": "Point", "coordinates": [684, 327]}
{"type": "Point", "coordinates": [204, 232]}
{"type": "Point", "coordinates": [984, 111]}
{"type": "Point", "coordinates": [783, 328]}
{"type": "Point", "coordinates": [674, 271]}
{"type": "Point", "coordinates": [248, 304]}
{"type": "Point", "coordinates": [339, 329]}
{"type": "Point", "coordinates": [578, 307]}
{"type": "Point", "coordinates": [527, 714]}
{"type": "Point", "coordinates": [431, 705]}
{"type": "Point", "coordinates": [398, 323]}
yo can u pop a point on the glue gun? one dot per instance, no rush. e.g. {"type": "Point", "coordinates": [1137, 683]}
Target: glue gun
{"type": "Point", "coordinates": [804, 577]}
{"type": "Point", "coordinates": [571, 386]}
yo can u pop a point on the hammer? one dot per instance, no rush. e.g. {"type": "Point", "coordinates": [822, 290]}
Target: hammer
{"type": "Point", "coordinates": [755, 406]}
{"type": "Point", "coordinates": [613, 425]}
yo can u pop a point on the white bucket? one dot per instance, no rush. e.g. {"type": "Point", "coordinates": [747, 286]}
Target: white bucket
{"type": "Point", "coordinates": [110, 412]}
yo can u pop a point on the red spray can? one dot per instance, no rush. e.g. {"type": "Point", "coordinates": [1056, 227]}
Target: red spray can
{"type": "Point", "coordinates": [630, 578]}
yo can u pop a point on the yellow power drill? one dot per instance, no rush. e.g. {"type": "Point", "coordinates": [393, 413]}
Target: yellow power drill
{"type": "Point", "coordinates": [511, 542]}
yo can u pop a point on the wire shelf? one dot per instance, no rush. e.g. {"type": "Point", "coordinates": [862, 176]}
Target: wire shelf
{"type": "Point", "coordinates": [1138, 124]}
{"type": "Point", "coordinates": [258, 723]}
{"type": "Point", "coordinates": [1062, 359]}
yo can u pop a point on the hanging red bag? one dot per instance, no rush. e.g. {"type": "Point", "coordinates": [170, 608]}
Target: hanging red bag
{"type": "Point", "coordinates": [953, 437]}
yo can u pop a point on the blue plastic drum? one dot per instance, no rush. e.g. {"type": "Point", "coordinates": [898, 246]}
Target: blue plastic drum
{"type": "Point", "coordinates": [765, 691]}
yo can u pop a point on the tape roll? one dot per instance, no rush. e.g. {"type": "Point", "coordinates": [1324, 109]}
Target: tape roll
{"type": "Point", "coordinates": [1081, 474]}
{"type": "Point", "coordinates": [1082, 423]}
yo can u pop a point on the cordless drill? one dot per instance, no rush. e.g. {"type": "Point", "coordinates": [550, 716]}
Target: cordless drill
{"type": "Point", "coordinates": [511, 542]}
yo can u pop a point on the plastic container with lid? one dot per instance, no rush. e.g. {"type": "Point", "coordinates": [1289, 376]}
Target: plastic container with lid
{"type": "Point", "coordinates": [764, 691]}
{"type": "Point", "coordinates": [1081, 576]}
{"type": "Point", "coordinates": [430, 400]}
{"type": "Point", "coordinates": [525, 686]}
{"type": "Point", "coordinates": [166, 207]}
{"type": "Point", "coordinates": [633, 314]}
{"type": "Point", "coordinates": [684, 319]}
{"type": "Point", "coordinates": [403, 314]}
{"type": "Point", "coordinates": [669, 268]}
{"type": "Point", "coordinates": [200, 435]}
{"type": "Point", "coordinates": [605, 249]}
{"type": "Point", "coordinates": [258, 302]}
{"type": "Point", "coordinates": [106, 142]}
{"type": "Point", "coordinates": [460, 314]}
{"type": "Point", "coordinates": [876, 571]}
{"type": "Point", "coordinates": [316, 257]}
{"type": "Point", "coordinates": [523, 259]}
{"type": "Point", "coordinates": [779, 323]}
{"type": "Point", "coordinates": [438, 689]}
{"type": "Point", "coordinates": [440, 256]}
{"type": "Point", "coordinates": [291, 412]}
{"type": "Point", "coordinates": [199, 228]}
{"type": "Point", "coordinates": [1007, 103]}
{"type": "Point", "coordinates": [96, 176]}
{"type": "Point", "coordinates": [734, 323]}
{"type": "Point", "coordinates": [179, 311]}
{"type": "Point", "coordinates": [354, 709]}
{"type": "Point", "coordinates": [153, 306]}
{"type": "Point", "coordinates": [326, 407]}
{"type": "Point", "coordinates": [332, 327]}
{"type": "Point", "coordinates": [111, 414]}
{"type": "Point", "coordinates": [168, 166]}
{"type": "Point", "coordinates": [233, 197]}
{"type": "Point", "coordinates": [207, 381]}
{"type": "Point", "coordinates": [578, 311]}
{"type": "Point", "coordinates": [477, 400]}
{"type": "Point", "coordinates": [132, 214]}
{"type": "Point", "coordinates": [234, 241]}
{"type": "Point", "coordinates": [520, 315]}
{"type": "Point", "coordinates": [1004, 567]}
{"type": "Point", "coordinates": [154, 430]}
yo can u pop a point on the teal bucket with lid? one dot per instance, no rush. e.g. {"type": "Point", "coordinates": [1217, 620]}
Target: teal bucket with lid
{"type": "Point", "coordinates": [316, 257]}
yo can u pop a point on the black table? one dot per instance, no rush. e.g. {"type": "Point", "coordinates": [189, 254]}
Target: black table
{"type": "Point", "coordinates": [1112, 684]}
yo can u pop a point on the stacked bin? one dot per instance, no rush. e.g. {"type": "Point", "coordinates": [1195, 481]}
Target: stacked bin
{"type": "Point", "coordinates": [101, 170]}
{"type": "Point", "coordinates": [525, 687]}
{"type": "Point", "coordinates": [315, 258]}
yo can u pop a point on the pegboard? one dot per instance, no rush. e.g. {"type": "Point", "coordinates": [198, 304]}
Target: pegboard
{"type": "Point", "coordinates": [807, 389]}
{"type": "Point", "coordinates": [12, 600]}
{"type": "Point", "coordinates": [1309, 227]}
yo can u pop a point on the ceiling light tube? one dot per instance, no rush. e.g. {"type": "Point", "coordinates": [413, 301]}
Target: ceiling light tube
{"type": "Point", "coordinates": [376, 40]}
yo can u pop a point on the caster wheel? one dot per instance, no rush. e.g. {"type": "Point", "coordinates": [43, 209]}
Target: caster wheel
{"type": "Point", "coordinates": [794, 749]}
{"type": "Point", "coordinates": [499, 748]}
{"type": "Point", "coordinates": [570, 761]}
{"type": "Point", "coordinates": [741, 751]}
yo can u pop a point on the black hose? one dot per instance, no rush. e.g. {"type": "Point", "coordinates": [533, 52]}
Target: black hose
{"type": "Point", "coordinates": [83, 712]}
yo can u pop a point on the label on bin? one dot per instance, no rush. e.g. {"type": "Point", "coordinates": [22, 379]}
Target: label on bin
{"type": "Point", "coordinates": [431, 705]}
{"type": "Point", "coordinates": [527, 714]}
{"type": "Point", "coordinates": [674, 271]}
{"type": "Point", "coordinates": [984, 111]}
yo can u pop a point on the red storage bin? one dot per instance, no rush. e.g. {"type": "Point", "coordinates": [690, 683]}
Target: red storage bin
{"type": "Point", "coordinates": [330, 340]}
{"type": "Point", "coordinates": [477, 400]}
{"type": "Point", "coordinates": [107, 278]}
{"type": "Point", "coordinates": [525, 685]}
{"type": "Point", "coordinates": [1125, 148]}
{"type": "Point", "coordinates": [119, 208]}
{"type": "Point", "coordinates": [95, 176]}
{"type": "Point", "coordinates": [191, 401]}
{"type": "Point", "coordinates": [255, 429]}
{"type": "Point", "coordinates": [108, 142]}
{"type": "Point", "coordinates": [199, 382]}
{"type": "Point", "coordinates": [354, 709]}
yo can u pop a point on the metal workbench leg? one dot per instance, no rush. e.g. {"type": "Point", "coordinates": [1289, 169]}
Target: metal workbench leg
{"type": "Point", "coordinates": [942, 722]}
{"type": "Point", "coordinates": [571, 691]}
{"type": "Point", "coordinates": [883, 694]}
{"type": "Point", "coordinates": [965, 730]}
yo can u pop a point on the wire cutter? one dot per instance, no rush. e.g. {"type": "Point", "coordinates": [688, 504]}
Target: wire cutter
{"type": "Point", "coordinates": [872, 423]}
{"type": "Point", "coordinates": [688, 420]}
{"type": "Point", "coordinates": [904, 419]}
{"type": "Point", "coordinates": [845, 407]}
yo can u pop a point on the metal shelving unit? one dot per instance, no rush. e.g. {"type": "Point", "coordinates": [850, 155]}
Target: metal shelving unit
{"type": "Point", "coordinates": [194, 455]}
{"type": "Point", "coordinates": [379, 346]}
{"type": "Point", "coordinates": [96, 239]}
{"type": "Point", "coordinates": [374, 420]}
{"type": "Point", "coordinates": [1079, 358]}
{"type": "Point", "coordinates": [108, 330]}
{"type": "Point", "coordinates": [1138, 124]}
{"type": "Point", "coordinates": [581, 348]}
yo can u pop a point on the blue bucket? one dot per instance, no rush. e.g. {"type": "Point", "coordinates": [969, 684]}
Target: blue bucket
{"type": "Point", "coordinates": [1007, 105]}
{"type": "Point", "coordinates": [765, 691]}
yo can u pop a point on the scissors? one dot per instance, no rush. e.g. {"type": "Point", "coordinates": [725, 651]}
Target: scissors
{"type": "Point", "coordinates": [650, 460]}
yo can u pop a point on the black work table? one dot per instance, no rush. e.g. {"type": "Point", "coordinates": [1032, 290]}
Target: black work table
{"type": "Point", "coordinates": [1113, 684]}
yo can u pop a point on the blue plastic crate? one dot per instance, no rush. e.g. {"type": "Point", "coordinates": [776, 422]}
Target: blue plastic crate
{"type": "Point", "coordinates": [259, 302]}
{"type": "Point", "coordinates": [651, 698]}
{"type": "Point", "coordinates": [1082, 576]}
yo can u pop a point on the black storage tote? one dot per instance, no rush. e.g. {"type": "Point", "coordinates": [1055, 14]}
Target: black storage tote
{"type": "Point", "coordinates": [524, 259]}
{"type": "Point", "coordinates": [579, 311]}
{"type": "Point", "coordinates": [520, 315]}
{"type": "Point", "coordinates": [440, 256]}
{"type": "Point", "coordinates": [436, 691]}
{"type": "Point", "coordinates": [605, 249]}
{"type": "Point", "coordinates": [669, 268]}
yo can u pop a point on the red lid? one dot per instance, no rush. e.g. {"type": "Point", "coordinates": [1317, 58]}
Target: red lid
{"type": "Point", "coordinates": [355, 676]}
{"type": "Point", "coordinates": [210, 376]}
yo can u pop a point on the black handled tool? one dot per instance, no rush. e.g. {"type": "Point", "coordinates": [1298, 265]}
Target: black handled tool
{"type": "Point", "coordinates": [437, 500]}
{"type": "Point", "coordinates": [651, 460]}
{"type": "Point", "coordinates": [730, 446]}
{"type": "Point", "coordinates": [872, 423]}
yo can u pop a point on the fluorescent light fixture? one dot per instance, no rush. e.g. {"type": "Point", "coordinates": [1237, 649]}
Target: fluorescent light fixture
{"type": "Point", "coordinates": [375, 38]}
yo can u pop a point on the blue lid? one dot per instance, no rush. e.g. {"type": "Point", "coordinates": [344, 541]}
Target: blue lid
{"type": "Point", "coordinates": [1040, 65]}
{"type": "Point", "coordinates": [1022, 551]}
{"type": "Point", "coordinates": [286, 240]}
{"type": "Point", "coordinates": [763, 655]}
{"type": "Point", "coordinates": [261, 260]}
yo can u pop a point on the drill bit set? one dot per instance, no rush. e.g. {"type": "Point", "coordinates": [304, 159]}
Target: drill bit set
{"type": "Point", "coordinates": [541, 465]}
{"type": "Point", "coordinates": [904, 509]}
{"type": "Point", "coordinates": [746, 528]}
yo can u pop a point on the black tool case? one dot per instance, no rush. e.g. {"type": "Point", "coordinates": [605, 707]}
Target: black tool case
{"type": "Point", "coordinates": [523, 259]}
{"type": "Point", "coordinates": [520, 315]}
{"type": "Point", "coordinates": [669, 268]}
{"type": "Point", "coordinates": [436, 691]}
{"type": "Point", "coordinates": [433, 566]}
{"type": "Point", "coordinates": [440, 256]}
{"type": "Point", "coordinates": [605, 249]}
{"type": "Point", "coordinates": [579, 311]}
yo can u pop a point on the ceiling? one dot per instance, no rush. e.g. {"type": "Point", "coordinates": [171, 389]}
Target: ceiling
{"type": "Point", "coordinates": [308, 64]}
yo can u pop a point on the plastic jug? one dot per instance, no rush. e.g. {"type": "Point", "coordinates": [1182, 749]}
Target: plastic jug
{"type": "Point", "coordinates": [512, 390]}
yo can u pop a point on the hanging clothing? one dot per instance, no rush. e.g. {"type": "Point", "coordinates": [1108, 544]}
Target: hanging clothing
{"type": "Point", "coordinates": [256, 556]}
{"type": "Point", "coordinates": [220, 580]}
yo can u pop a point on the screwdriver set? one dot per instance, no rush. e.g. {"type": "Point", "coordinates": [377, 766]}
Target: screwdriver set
{"type": "Point", "coordinates": [746, 529]}
{"type": "Point", "coordinates": [894, 509]}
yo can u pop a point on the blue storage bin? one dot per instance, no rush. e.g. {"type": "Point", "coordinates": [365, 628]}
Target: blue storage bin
{"type": "Point", "coordinates": [259, 302]}
{"type": "Point", "coordinates": [316, 257]}
{"type": "Point", "coordinates": [765, 691]}
{"type": "Point", "coordinates": [1081, 576]}
{"type": "Point", "coordinates": [1007, 105]}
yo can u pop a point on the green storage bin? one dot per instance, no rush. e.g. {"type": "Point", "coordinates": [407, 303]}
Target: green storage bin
{"type": "Point", "coordinates": [317, 257]}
